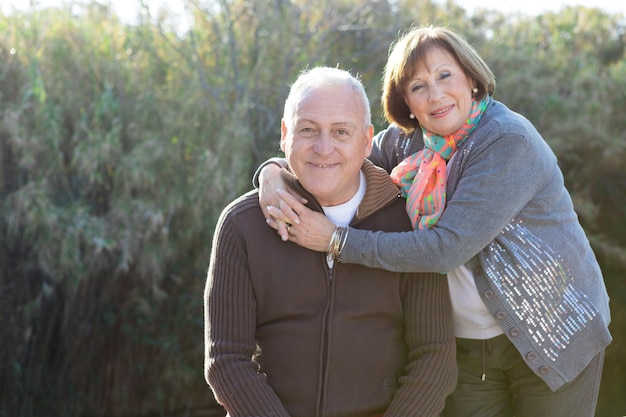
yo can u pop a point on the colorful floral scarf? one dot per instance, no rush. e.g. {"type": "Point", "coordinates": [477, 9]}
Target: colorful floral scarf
{"type": "Point", "coordinates": [422, 176]}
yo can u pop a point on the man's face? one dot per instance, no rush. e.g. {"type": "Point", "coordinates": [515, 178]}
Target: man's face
{"type": "Point", "coordinates": [327, 142]}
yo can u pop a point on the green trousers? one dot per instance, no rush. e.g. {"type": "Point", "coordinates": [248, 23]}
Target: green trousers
{"type": "Point", "coordinates": [494, 381]}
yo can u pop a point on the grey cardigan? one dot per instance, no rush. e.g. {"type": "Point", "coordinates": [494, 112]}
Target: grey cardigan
{"type": "Point", "coordinates": [509, 218]}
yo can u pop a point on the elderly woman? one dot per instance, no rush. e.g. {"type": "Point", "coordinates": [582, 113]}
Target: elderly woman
{"type": "Point", "coordinates": [491, 212]}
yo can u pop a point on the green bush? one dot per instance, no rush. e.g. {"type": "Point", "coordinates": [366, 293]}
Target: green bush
{"type": "Point", "coordinates": [120, 145]}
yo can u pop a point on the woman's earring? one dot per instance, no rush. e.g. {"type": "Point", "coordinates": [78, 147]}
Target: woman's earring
{"type": "Point", "coordinates": [474, 90]}
{"type": "Point", "coordinates": [411, 116]}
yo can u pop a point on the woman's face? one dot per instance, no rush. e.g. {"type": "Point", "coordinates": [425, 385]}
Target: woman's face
{"type": "Point", "coordinates": [440, 94]}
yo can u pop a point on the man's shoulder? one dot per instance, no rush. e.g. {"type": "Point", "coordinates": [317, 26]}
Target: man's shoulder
{"type": "Point", "coordinates": [242, 205]}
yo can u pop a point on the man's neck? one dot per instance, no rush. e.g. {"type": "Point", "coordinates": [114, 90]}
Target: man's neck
{"type": "Point", "coordinates": [342, 214]}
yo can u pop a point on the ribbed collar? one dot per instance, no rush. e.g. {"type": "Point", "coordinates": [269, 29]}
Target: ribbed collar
{"type": "Point", "coordinates": [381, 191]}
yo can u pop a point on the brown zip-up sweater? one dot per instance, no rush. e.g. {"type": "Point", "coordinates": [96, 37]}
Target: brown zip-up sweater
{"type": "Point", "coordinates": [285, 335]}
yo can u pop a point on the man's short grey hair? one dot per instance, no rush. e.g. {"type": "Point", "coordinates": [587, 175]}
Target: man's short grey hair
{"type": "Point", "coordinates": [319, 77]}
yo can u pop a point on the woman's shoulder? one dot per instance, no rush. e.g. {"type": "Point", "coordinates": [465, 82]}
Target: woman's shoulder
{"type": "Point", "coordinates": [517, 136]}
{"type": "Point", "coordinates": [501, 118]}
{"type": "Point", "coordinates": [388, 136]}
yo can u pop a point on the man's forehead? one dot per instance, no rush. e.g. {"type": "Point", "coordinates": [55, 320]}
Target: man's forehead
{"type": "Point", "coordinates": [335, 106]}
{"type": "Point", "coordinates": [337, 121]}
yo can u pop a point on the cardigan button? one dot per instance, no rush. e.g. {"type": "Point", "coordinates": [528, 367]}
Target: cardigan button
{"type": "Point", "coordinates": [488, 294]}
{"type": "Point", "coordinates": [544, 370]}
{"type": "Point", "coordinates": [478, 270]}
{"type": "Point", "coordinates": [531, 356]}
{"type": "Point", "coordinates": [514, 332]}
{"type": "Point", "coordinates": [500, 315]}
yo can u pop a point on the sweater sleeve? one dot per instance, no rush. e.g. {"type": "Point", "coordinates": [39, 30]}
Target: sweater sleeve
{"type": "Point", "coordinates": [383, 154]}
{"type": "Point", "coordinates": [431, 372]}
{"type": "Point", "coordinates": [497, 182]}
{"type": "Point", "coordinates": [230, 324]}
{"type": "Point", "coordinates": [281, 162]}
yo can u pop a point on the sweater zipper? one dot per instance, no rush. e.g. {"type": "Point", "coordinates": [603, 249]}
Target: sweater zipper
{"type": "Point", "coordinates": [330, 268]}
{"type": "Point", "coordinates": [327, 342]}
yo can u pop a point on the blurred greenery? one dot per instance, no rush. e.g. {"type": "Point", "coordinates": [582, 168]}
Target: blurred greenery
{"type": "Point", "coordinates": [120, 144]}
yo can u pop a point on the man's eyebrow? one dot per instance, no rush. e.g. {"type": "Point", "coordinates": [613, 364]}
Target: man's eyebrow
{"type": "Point", "coordinates": [300, 121]}
{"type": "Point", "coordinates": [351, 124]}
{"type": "Point", "coordinates": [346, 123]}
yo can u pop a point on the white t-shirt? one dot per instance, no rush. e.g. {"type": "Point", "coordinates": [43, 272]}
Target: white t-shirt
{"type": "Point", "coordinates": [472, 319]}
{"type": "Point", "coordinates": [342, 214]}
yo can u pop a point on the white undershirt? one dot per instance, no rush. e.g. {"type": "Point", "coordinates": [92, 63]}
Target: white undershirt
{"type": "Point", "coordinates": [342, 214]}
{"type": "Point", "coordinates": [472, 319]}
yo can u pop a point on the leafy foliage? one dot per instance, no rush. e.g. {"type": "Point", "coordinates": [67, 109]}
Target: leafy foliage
{"type": "Point", "coordinates": [120, 144]}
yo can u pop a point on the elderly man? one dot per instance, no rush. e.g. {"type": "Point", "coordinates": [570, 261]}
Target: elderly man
{"type": "Point", "coordinates": [291, 332]}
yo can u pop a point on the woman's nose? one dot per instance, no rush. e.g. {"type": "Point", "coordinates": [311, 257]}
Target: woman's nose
{"type": "Point", "coordinates": [435, 92]}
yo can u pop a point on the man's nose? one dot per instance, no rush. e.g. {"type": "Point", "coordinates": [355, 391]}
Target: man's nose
{"type": "Point", "coordinates": [324, 143]}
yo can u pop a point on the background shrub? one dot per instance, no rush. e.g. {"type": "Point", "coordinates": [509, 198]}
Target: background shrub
{"type": "Point", "coordinates": [120, 145]}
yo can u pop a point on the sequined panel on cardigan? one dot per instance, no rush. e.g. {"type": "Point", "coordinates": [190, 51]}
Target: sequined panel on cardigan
{"type": "Point", "coordinates": [537, 286]}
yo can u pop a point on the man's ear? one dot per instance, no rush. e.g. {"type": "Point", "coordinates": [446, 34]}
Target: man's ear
{"type": "Point", "coordinates": [283, 134]}
{"type": "Point", "coordinates": [369, 138]}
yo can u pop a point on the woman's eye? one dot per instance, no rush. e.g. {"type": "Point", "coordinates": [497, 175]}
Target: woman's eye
{"type": "Point", "coordinates": [417, 87]}
{"type": "Point", "coordinates": [444, 75]}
